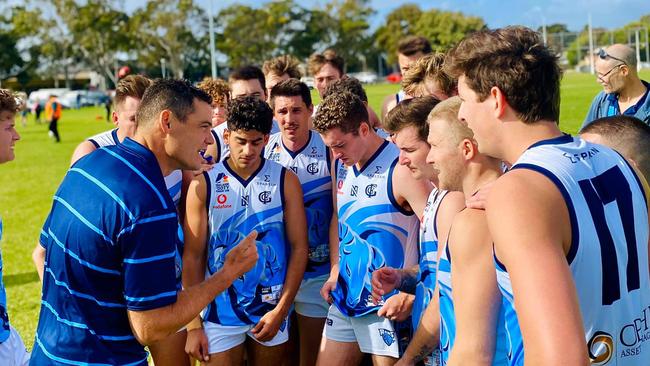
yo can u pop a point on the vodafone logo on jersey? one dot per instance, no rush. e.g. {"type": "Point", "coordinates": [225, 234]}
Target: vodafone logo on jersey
{"type": "Point", "coordinates": [339, 187]}
{"type": "Point", "coordinates": [222, 202]}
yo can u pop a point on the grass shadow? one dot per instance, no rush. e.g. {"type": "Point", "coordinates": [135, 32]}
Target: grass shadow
{"type": "Point", "coordinates": [20, 279]}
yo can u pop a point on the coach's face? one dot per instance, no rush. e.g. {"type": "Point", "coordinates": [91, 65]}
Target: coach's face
{"type": "Point", "coordinates": [413, 153]}
{"type": "Point", "coordinates": [293, 116]}
{"type": "Point", "coordinates": [8, 136]}
{"type": "Point", "coordinates": [186, 140]}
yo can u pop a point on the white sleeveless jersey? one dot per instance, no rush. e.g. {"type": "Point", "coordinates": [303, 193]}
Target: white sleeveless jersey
{"type": "Point", "coordinates": [374, 231]}
{"type": "Point", "coordinates": [608, 257]}
{"type": "Point", "coordinates": [235, 208]}
{"type": "Point", "coordinates": [106, 138]}
{"type": "Point", "coordinates": [223, 151]}
{"type": "Point", "coordinates": [428, 252]}
{"type": "Point", "coordinates": [312, 166]}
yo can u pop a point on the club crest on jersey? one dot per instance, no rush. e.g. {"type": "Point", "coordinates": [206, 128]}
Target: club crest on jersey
{"type": "Point", "coordinates": [312, 168]}
{"type": "Point", "coordinates": [221, 184]}
{"type": "Point", "coordinates": [354, 190]}
{"type": "Point", "coordinates": [371, 190]}
{"type": "Point", "coordinates": [265, 197]}
{"type": "Point", "coordinates": [387, 335]}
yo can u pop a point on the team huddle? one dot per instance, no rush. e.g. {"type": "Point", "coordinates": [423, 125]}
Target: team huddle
{"type": "Point", "coordinates": [238, 223]}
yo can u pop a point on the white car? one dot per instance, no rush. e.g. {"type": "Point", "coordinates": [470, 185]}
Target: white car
{"type": "Point", "coordinates": [309, 81]}
{"type": "Point", "coordinates": [366, 77]}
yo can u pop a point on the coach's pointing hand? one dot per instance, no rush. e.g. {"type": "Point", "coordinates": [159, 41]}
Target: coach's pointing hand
{"type": "Point", "coordinates": [242, 257]}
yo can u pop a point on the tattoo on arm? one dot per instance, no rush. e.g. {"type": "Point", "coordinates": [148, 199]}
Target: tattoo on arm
{"type": "Point", "coordinates": [409, 282]}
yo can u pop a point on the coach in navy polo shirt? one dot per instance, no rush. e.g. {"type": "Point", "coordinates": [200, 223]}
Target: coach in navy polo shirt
{"type": "Point", "coordinates": [109, 282]}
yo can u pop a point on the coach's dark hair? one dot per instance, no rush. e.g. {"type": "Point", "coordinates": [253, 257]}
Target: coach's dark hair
{"type": "Point", "coordinates": [348, 84]}
{"type": "Point", "coordinates": [515, 60]}
{"type": "Point", "coordinates": [626, 134]}
{"type": "Point", "coordinates": [247, 73]}
{"type": "Point", "coordinates": [291, 88]}
{"type": "Point", "coordinates": [171, 94]}
{"type": "Point", "coordinates": [411, 45]}
{"type": "Point", "coordinates": [249, 114]}
{"type": "Point", "coordinates": [343, 110]}
{"type": "Point", "coordinates": [411, 112]}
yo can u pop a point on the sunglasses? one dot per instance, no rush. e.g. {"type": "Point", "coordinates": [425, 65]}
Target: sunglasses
{"type": "Point", "coordinates": [604, 55]}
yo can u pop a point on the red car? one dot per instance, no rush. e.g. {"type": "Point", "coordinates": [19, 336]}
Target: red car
{"type": "Point", "coordinates": [394, 77]}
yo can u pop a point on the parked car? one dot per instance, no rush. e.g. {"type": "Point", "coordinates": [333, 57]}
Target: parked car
{"type": "Point", "coordinates": [42, 95]}
{"type": "Point", "coordinates": [394, 77]}
{"type": "Point", "coordinates": [309, 81]}
{"type": "Point", "coordinates": [366, 77]}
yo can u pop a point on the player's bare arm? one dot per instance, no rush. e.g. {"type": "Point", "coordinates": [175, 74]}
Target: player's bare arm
{"type": "Point", "coordinates": [474, 283]}
{"type": "Point", "coordinates": [82, 150]}
{"type": "Point", "coordinates": [195, 231]}
{"type": "Point", "coordinates": [544, 291]}
{"type": "Point", "coordinates": [295, 223]}
{"type": "Point", "coordinates": [330, 284]}
{"type": "Point", "coordinates": [427, 335]}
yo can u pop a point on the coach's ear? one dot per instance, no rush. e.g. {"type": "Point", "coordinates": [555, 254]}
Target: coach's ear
{"type": "Point", "coordinates": [499, 100]}
{"type": "Point", "coordinates": [164, 121]}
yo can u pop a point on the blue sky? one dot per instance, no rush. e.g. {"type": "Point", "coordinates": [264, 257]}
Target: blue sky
{"type": "Point", "coordinates": [574, 13]}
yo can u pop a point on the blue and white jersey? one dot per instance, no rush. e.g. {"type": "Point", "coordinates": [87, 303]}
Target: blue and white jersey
{"type": "Point", "coordinates": [173, 182]}
{"type": "Point", "coordinates": [223, 150]}
{"type": "Point", "coordinates": [235, 208]}
{"type": "Point", "coordinates": [110, 246]}
{"type": "Point", "coordinates": [608, 257]}
{"type": "Point", "coordinates": [448, 317]}
{"type": "Point", "coordinates": [374, 231]}
{"type": "Point", "coordinates": [428, 255]}
{"type": "Point", "coordinates": [106, 138]}
{"type": "Point", "coordinates": [4, 316]}
{"type": "Point", "coordinates": [312, 166]}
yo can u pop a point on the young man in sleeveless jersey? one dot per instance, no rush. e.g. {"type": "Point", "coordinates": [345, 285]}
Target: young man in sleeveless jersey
{"type": "Point", "coordinates": [302, 150]}
{"type": "Point", "coordinates": [472, 326]}
{"type": "Point", "coordinates": [247, 81]}
{"type": "Point", "coordinates": [12, 348]}
{"type": "Point", "coordinates": [376, 223]}
{"type": "Point", "coordinates": [569, 220]}
{"type": "Point", "coordinates": [246, 192]}
{"type": "Point", "coordinates": [408, 122]}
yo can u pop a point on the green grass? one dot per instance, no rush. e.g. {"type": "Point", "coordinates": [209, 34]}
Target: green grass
{"type": "Point", "coordinates": [28, 183]}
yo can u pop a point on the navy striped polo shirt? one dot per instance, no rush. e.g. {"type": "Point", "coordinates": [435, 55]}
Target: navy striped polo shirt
{"type": "Point", "coordinates": [110, 247]}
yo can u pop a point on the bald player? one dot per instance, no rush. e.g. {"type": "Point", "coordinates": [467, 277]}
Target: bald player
{"type": "Point", "coordinates": [623, 91]}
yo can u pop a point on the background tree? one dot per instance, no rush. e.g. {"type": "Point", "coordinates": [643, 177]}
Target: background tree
{"type": "Point", "coordinates": [171, 29]}
{"type": "Point", "coordinates": [399, 24]}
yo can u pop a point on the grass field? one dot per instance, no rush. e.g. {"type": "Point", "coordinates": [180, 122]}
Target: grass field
{"type": "Point", "coordinates": [28, 183]}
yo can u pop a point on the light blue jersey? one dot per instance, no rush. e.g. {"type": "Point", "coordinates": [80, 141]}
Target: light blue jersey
{"type": "Point", "coordinates": [236, 207]}
{"type": "Point", "coordinates": [106, 138]}
{"type": "Point", "coordinates": [312, 166]}
{"type": "Point", "coordinates": [4, 316]}
{"type": "Point", "coordinates": [374, 231]}
{"type": "Point", "coordinates": [608, 257]}
{"type": "Point", "coordinates": [448, 316]}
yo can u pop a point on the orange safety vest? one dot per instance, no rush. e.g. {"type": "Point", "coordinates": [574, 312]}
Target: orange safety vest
{"type": "Point", "coordinates": [53, 112]}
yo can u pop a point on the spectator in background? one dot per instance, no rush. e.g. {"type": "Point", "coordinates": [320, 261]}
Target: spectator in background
{"type": "Point", "coordinates": [623, 91]}
{"type": "Point", "coordinates": [53, 114]}
{"type": "Point", "coordinates": [326, 68]}
{"type": "Point", "coordinates": [37, 108]}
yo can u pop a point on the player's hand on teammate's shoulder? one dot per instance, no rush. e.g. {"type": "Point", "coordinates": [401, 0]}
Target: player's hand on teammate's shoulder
{"type": "Point", "coordinates": [268, 326]}
{"type": "Point", "coordinates": [384, 280]}
{"type": "Point", "coordinates": [196, 344]}
{"type": "Point", "coordinates": [398, 307]}
{"type": "Point", "coordinates": [478, 199]}
{"type": "Point", "coordinates": [241, 258]}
